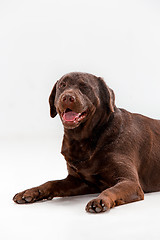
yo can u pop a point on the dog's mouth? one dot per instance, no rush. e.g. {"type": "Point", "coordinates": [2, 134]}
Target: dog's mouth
{"type": "Point", "coordinates": [71, 117]}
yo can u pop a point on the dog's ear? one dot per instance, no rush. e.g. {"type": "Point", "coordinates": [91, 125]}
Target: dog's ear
{"type": "Point", "coordinates": [107, 95]}
{"type": "Point", "coordinates": [53, 111]}
{"type": "Point", "coordinates": [111, 99]}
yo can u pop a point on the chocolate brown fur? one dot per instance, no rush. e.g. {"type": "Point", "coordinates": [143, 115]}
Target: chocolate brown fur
{"type": "Point", "coordinates": [110, 151]}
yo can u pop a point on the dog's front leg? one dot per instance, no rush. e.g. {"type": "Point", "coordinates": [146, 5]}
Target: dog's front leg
{"type": "Point", "coordinates": [126, 191]}
{"type": "Point", "coordinates": [69, 186]}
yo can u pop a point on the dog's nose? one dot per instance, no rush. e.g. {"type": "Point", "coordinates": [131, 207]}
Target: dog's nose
{"type": "Point", "coordinates": [67, 98]}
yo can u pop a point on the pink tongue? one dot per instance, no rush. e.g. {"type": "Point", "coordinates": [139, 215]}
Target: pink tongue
{"type": "Point", "coordinates": [70, 116]}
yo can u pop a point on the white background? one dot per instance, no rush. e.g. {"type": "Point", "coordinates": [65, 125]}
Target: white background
{"type": "Point", "coordinates": [39, 42]}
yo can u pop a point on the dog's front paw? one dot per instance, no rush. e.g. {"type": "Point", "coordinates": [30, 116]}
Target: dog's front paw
{"type": "Point", "coordinates": [96, 206]}
{"type": "Point", "coordinates": [29, 196]}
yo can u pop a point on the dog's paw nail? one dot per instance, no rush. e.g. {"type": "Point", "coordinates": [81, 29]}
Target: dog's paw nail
{"type": "Point", "coordinates": [91, 210]}
{"type": "Point", "coordinates": [98, 210]}
{"type": "Point", "coordinates": [20, 201]}
{"type": "Point", "coordinates": [49, 198]}
{"type": "Point", "coordinates": [104, 208]}
{"type": "Point", "coordinates": [28, 199]}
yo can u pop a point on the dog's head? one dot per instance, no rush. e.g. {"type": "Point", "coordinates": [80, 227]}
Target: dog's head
{"type": "Point", "coordinates": [77, 97]}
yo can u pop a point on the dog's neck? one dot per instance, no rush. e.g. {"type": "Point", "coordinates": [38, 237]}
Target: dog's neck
{"type": "Point", "coordinates": [78, 147]}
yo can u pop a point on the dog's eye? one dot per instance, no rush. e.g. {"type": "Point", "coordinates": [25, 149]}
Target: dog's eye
{"type": "Point", "coordinates": [62, 85]}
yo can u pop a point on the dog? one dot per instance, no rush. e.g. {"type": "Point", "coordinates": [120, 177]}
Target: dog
{"type": "Point", "coordinates": [108, 150]}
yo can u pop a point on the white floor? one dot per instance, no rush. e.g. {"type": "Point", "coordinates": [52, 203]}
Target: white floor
{"type": "Point", "coordinates": [31, 161]}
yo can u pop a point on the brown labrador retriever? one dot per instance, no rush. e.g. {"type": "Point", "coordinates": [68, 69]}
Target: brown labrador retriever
{"type": "Point", "coordinates": [108, 150]}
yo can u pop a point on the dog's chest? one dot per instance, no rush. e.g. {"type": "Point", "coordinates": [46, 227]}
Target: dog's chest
{"type": "Point", "coordinates": [76, 152]}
